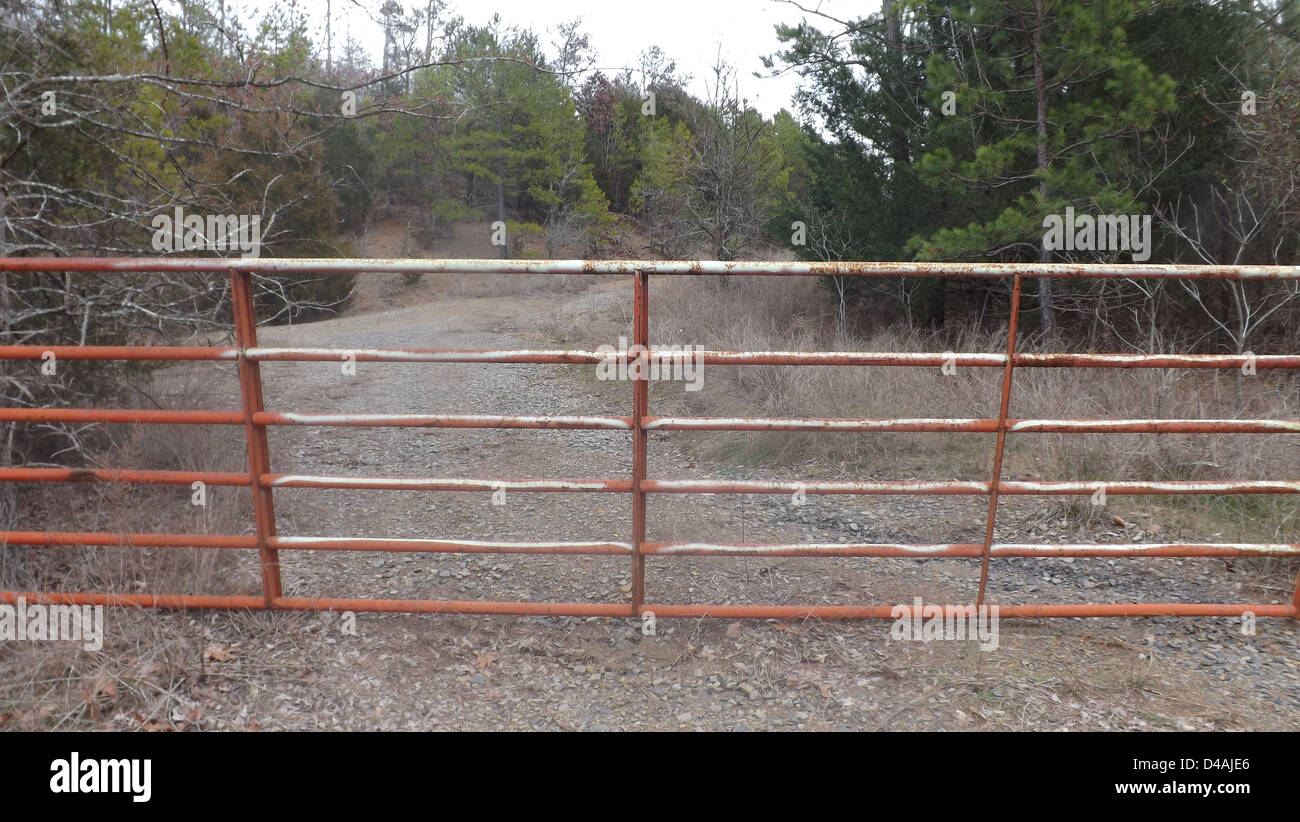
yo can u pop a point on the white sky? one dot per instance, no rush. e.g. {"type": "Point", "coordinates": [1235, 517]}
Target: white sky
{"type": "Point", "coordinates": [688, 31]}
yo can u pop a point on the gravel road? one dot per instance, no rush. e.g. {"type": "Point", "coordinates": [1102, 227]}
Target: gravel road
{"type": "Point", "coordinates": [416, 672]}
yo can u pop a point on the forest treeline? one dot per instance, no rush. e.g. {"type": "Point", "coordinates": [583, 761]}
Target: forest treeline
{"type": "Point", "coordinates": [922, 131]}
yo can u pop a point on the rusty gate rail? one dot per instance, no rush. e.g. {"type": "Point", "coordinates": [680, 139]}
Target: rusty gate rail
{"type": "Point", "coordinates": [262, 480]}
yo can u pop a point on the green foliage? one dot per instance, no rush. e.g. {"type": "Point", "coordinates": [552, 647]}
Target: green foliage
{"type": "Point", "coordinates": [662, 187]}
{"type": "Point", "coordinates": [934, 150]}
{"type": "Point", "coordinates": [504, 131]}
{"type": "Point", "coordinates": [518, 236]}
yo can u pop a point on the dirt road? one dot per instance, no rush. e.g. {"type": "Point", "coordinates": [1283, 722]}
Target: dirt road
{"type": "Point", "coordinates": [416, 672]}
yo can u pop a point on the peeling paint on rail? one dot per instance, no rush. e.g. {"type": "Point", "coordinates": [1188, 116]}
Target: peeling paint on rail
{"type": "Point", "coordinates": [974, 550]}
{"type": "Point", "coordinates": [1153, 488]}
{"type": "Point", "coordinates": [814, 424]}
{"type": "Point", "coordinates": [449, 545]}
{"type": "Point", "coordinates": [1146, 549]}
{"type": "Point", "coordinates": [1156, 426]}
{"type": "Point", "coordinates": [448, 355]}
{"type": "Point", "coordinates": [441, 421]}
{"type": "Point", "coordinates": [657, 267]}
{"type": "Point", "coordinates": [829, 549]}
{"type": "Point", "coordinates": [438, 484]}
{"type": "Point", "coordinates": [822, 487]}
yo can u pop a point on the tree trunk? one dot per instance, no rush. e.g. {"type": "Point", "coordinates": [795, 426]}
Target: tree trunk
{"type": "Point", "coordinates": [501, 168]}
{"type": "Point", "coordinates": [898, 144]}
{"type": "Point", "coordinates": [1046, 306]}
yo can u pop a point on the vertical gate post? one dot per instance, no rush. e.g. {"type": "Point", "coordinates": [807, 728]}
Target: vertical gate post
{"type": "Point", "coordinates": [640, 408]}
{"type": "Point", "coordinates": [1012, 326]}
{"type": "Point", "coordinates": [259, 462]}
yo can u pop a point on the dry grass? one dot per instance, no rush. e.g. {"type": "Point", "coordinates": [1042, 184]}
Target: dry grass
{"type": "Point", "coordinates": [149, 659]}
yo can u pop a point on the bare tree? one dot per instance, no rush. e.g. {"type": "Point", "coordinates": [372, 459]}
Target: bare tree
{"type": "Point", "coordinates": [729, 181]}
{"type": "Point", "coordinates": [1253, 216]}
{"type": "Point", "coordinates": [90, 157]}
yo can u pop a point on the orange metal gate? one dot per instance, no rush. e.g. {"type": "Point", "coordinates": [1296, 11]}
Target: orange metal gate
{"type": "Point", "coordinates": [263, 480]}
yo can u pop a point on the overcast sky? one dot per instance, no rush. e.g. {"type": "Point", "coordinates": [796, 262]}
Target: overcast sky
{"type": "Point", "coordinates": [689, 31]}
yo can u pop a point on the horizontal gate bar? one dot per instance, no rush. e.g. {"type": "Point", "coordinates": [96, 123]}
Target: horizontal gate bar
{"type": "Point", "coordinates": [591, 356]}
{"type": "Point", "coordinates": [913, 551]}
{"type": "Point", "coordinates": [127, 540]}
{"type": "Point", "coordinates": [1137, 271]}
{"type": "Point", "coordinates": [1154, 426]}
{"type": "Point", "coordinates": [969, 487]}
{"type": "Point", "coordinates": [588, 356]}
{"type": "Point", "coordinates": [815, 424]}
{"type": "Point", "coordinates": [1150, 549]}
{"type": "Point", "coordinates": [118, 352]}
{"type": "Point", "coordinates": [442, 420]}
{"type": "Point", "coordinates": [130, 415]}
{"type": "Point", "coordinates": [657, 486]}
{"type": "Point", "coordinates": [973, 549]}
{"type": "Point", "coordinates": [903, 487]}
{"type": "Point", "coordinates": [614, 423]}
{"type": "Point", "coordinates": [1261, 361]}
{"type": "Point", "coordinates": [121, 475]}
{"type": "Point", "coordinates": [988, 425]}
{"type": "Point", "coordinates": [1152, 488]}
{"type": "Point", "coordinates": [455, 546]}
{"type": "Point", "coordinates": [823, 358]}
{"type": "Point", "coordinates": [1147, 609]}
{"type": "Point", "coordinates": [307, 543]}
{"type": "Point", "coordinates": [583, 609]}
{"type": "Point", "coordinates": [978, 360]}
{"type": "Point", "coordinates": [443, 355]}
{"type": "Point", "coordinates": [442, 484]}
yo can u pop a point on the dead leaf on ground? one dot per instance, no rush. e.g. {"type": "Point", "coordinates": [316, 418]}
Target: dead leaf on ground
{"type": "Point", "coordinates": [101, 694]}
{"type": "Point", "coordinates": [105, 688]}
{"type": "Point", "coordinates": [216, 653]}
{"type": "Point", "coordinates": [151, 726]}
